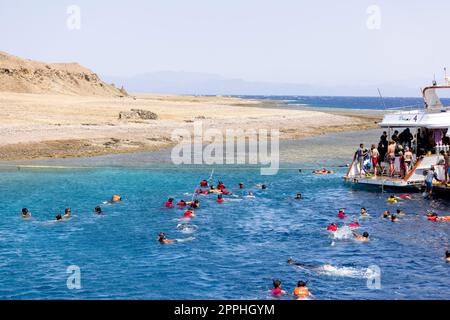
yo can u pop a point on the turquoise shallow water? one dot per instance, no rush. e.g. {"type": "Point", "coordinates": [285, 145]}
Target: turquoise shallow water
{"type": "Point", "coordinates": [240, 246]}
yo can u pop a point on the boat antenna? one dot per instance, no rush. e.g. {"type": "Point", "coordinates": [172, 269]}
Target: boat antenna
{"type": "Point", "coordinates": [381, 97]}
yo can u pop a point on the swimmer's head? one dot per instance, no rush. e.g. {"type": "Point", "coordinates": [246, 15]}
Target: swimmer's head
{"type": "Point", "coordinates": [241, 185]}
{"type": "Point", "coordinates": [162, 236]}
{"type": "Point", "coordinates": [365, 234]}
{"type": "Point", "coordinates": [447, 254]}
{"type": "Point", "coordinates": [276, 283]}
{"type": "Point", "coordinates": [290, 261]}
{"type": "Point", "coordinates": [263, 187]}
{"type": "Point", "coordinates": [170, 200]}
{"type": "Point", "coordinates": [393, 217]}
{"type": "Point", "coordinates": [301, 283]}
{"type": "Point", "coordinates": [399, 211]}
{"type": "Point", "coordinates": [67, 211]}
{"type": "Point", "coordinates": [98, 209]}
{"type": "Point", "coordinates": [24, 211]}
{"type": "Point", "coordinates": [219, 196]}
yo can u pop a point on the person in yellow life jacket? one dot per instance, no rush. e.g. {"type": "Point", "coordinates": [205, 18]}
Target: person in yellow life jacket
{"type": "Point", "coordinates": [301, 291]}
{"type": "Point", "coordinates": [116, 198]}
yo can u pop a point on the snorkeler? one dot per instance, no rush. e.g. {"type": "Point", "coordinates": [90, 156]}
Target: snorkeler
{"type": "Point", "coordinates": [361, 237]}
{"type": "Point", "coordinates": [298, 196]}
{"type": "Point", "coordinates": [301, 291]}
{"type": "Point", "coordinates": [332, 227]}
{"type": "Point", "coordinates": [163, 239]}
{"type": "Point", "coordinates": [67, 213]}
{"type": "Point", "coordinates": [169, 203]}
{"type": "Point", "coordinates": [116, 198]}
{"type": "Point", "coordinates": [276, 290]}
{"type": "Point", "coordinates": [25, 213]}
{"type": "Point", "coordinates": [341, 213]}
{"type": "Point", "coordinates": [392, 199]}
{"type": "Point", "coordinates": [98, 210]}
{"type": "Point", "coordinates": [221, 186]}
{"type": "Point", "coordinates": [220, 199]}
{"type": "Point", "coordinates": [195, 204]}
{"type": "Point", "coordinates": [189, 214]}
{"type": "Point", "coordinates": [182, 203]}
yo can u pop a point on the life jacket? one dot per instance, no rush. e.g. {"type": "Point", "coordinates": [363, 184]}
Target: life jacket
{"type": "Point", "coordinates": [332, 228]}
{"type": "Point", "coordinates": [203, 183]}
{"type": "Point", "coordinates": [301, 292]}
{"type": "Point", "coordinates": [181, 204]}
{"type": "Point", "coordinates": [188, 214]}
{"type": "Point", "coordinates": [169, 204]}
{"type": "Point", "coordinates": [116, 198]}
{"type": "Point", "coordinates": [276, 292]}
{"type": "Point", "coordinates": [353, 225]}
{"type": "Point", "coordinates": [433, 218]}
{"type": "Point", "coordinates": [443, 218]}
{"type": "Point", "coordinates": [220, 200]}
{"type": "Point", "coordinates": [225, 191]}
{"type": "Point", "coordinates": [221, 186]}
{"type": "Point", "coordinates": [341, 215]}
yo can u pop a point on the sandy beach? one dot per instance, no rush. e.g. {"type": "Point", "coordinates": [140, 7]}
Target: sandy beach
{"type": "Point", "coordinates": [42, 126]}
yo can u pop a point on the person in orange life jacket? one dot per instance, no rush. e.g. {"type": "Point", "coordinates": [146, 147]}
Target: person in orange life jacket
{"type": "Point", "coordinates": [301, 291]}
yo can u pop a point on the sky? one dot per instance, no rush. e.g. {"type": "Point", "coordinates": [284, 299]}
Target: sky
{"type": "Point", "coordinates": [344, 43]}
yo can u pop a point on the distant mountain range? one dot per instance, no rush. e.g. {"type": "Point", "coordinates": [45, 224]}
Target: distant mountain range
{"type": "Point", "coordinates": [196, 83]}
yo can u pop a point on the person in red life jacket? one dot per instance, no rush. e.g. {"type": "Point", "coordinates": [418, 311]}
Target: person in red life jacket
{"type": "Point", "coordinates": [226, 192]}
{"type": "Point", "coordinates": [169, 203]}
{"type": "Point", "coordinates": [182, 203]}
{"type": "Point", "coordinates": [276, 290]}
{"type": "Point", "coordinates": [341, 214]}
{"type": "Point", "coordinates": [332, 227]}
{"type": "Point", "coordinates": [353, 224]}
{"type": "Point", "coordinates": [220, 185]}
{"type": "Point", "coordinates": [432, 216]}
{"type": "Point", "coordinates": [195, 204]}
{"type": "Point", "coordinates": [162, 239]}
{"type": "Point", "coordinates": [203, 184]}
{"type": "Point", "coordinates": [189, 214]}
{"type": "Point", "coordinates": [220, 199]}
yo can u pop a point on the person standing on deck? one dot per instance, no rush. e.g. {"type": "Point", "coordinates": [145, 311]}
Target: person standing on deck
{"type": "Point", "coordinates": [382, 148]}
{"type": "Point", "coordinates": [430, 177]}
{"type": "Point", "coordinates": [375, 154]}
{"type": "Point", "coordinates": [408, 157]}
{"type": "Point", "coordinates": [446, 163]}
{"type": "Point", "coordinates": [391, 157]}
{"type": "Point", "coordinates": [359, 156]}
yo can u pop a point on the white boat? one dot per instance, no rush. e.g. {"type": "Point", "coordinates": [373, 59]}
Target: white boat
{"type": "Point", "coordinates": [432, 117]}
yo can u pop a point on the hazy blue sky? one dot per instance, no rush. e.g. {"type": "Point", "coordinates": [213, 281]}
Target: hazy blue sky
{"type": "Point", "coordinates": [292, 41]}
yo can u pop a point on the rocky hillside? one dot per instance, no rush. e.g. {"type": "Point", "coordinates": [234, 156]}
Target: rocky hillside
{"type": "Point", "coordinates": [27, 76]}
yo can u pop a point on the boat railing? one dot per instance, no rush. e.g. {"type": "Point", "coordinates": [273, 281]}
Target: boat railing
{"type": "Point", "coordinates": [407, 108]}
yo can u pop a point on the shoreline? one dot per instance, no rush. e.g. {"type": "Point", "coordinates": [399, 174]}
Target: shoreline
{"type": "Point", "coordinates": [59, 127]}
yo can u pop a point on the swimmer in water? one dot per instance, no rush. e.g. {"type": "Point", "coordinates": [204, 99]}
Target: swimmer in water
{"type": "Point", "coordinates": [387, 214]}
{"type": "Point", "coordinates": [447, 256]}
{"type": "Point", "coordinates": [169, 203]}
{"type": "Point", "coordinates": [221, 186]}
{"type": "Point", "coordinates": [363, 212]}
{"type": "Point", "coordinates": [276, 290]}
{"type": "Point", "coordinates": [116, 198]}
{"type": "Point", "coordinates": [263, 187]}
{"type": "Point", "coordinates": [203, 183]}
{"type": "Point", "coordinates": [292, 262]}
{"type": "Point", "coordinates": [341, 213]}
{"type": "Point", "coordinates": [392, 199]}
{"type": "Point", "coordinates": [298, 196]}
{"type": "Point", "coordinates": [98, 210]}
{"type": "Point", "coordinates": [189, 214]}
{"type": "Point", "coordinates": [182, 203]}
{"type": "Point", "coordinates": [358, 237]}
{"type": "Point", "coordinates": [163, 239]}
{"type": "Point", "coordinates": [250, 195]}
{"type": "Point", "coordinates": [241, 185]}
{"type": "Point", "coordinates": [59, 217]}
{"type": "Point", "coordinates": [400, 213]}
{"type": "Point", "coordinates": [332, 227]}
{"type": "Point", "coordinates": [67, 213]}
{"type": "Point", "coordinates": [394, 218]}
{"type": "Point", "coordinates": [25, 213]}
{"type": "Point", "coordinates": [301, 291]}
{"type": "Point", "coordinates": [220, 199]}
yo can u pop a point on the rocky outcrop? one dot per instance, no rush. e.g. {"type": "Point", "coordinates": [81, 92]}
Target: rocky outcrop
{"type": "Point", "coordinates": [27, 76]}
{"type": "Point", "coordinates": [137, 114]}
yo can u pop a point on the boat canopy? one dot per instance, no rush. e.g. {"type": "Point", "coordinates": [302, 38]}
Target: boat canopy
{"type": "Point", "coordinates": [417, 119]}
{"type": "Point", "coordinates": [432, 101]}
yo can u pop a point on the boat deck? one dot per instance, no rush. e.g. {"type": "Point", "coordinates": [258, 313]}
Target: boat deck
{"type": "Point", "coordinates": [383, 181]}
